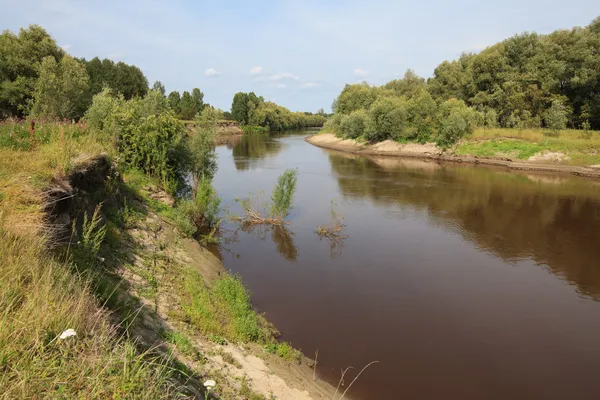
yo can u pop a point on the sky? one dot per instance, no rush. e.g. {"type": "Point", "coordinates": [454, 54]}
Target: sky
{"type": "Point", "coordinates": [299, 54]}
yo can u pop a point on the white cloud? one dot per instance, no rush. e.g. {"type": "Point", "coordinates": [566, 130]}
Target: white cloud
{"type": "Point", "coordinates": [281, 86]}
{"type": "Point", "coordinates": [278, 77]}
{"type": "Point", "coordinates": [361, 72]}
{"type": "Point", "coordinates": [309, 85]}
{"type": "Point", "coordinates": [256, 70]}
{"type": "Point", "coordinates": [212, 72]}
{"type": "Point", "coordinates": [66, 47]}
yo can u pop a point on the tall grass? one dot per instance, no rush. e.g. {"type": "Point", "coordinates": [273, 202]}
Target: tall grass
{"type": "Point", "coordinates": [39, 299]}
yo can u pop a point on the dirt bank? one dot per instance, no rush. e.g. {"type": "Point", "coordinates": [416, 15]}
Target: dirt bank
{"type": "Point", "coordinates": [149, 261]}
{"type": "Point", "coordinates": [432, 152]}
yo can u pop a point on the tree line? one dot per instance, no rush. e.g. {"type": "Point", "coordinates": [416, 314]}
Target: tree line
{"type": "Point", "coordinates": [38, 77]}
{"type": "Point", "coordinates": [253, 110]}
{"type": "Point", "coordinates": [527, 81]}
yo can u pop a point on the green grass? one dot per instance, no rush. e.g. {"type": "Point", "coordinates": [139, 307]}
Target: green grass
{"type": "Point", "coordinates": [522, 144]}
{"type": "Point", "coordinates": [284, 350]}
{"type": "Point", "coordinates": [223, 310]}
{"type": "Point", "coordinates": [39, 299]}
{"type": "Point", "coordinates": [43, 293]}
{"type": "Point", "coordinates": [254, 129]}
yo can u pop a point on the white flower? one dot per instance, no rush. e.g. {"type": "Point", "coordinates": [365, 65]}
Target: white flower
{"type": "Point", "coordinates": [68, 333]}
{"type": "Point", "coordinates": [209, 384]}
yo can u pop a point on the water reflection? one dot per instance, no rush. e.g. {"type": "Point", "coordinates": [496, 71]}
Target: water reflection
{"type": "Point", "coordinates": [551, 219]}
{"type": "Point", "coordinates": [249, 151]}
{"type": "Point", "coordinates": [280, 235]}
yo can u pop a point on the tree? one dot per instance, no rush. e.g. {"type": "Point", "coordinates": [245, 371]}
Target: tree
{"type": "Point", "coordinates": [159, 87]}
{"type": "Point", "coordinates": [187, 106]}
{"type": "Point", "coordinates": [60, 88]}
{"type": "Point", "coordinates": [239, 108]}
{"type": "Point", "coordinates": [174, 99]}
{"type": "Point", "coordinates": [20, 58]}
{"type": "Point", "coordinates": [104, 105]}
{"type": "Point", "coordinates": [556, 116]}
{"type": "Point", "coordinates": [198, 97]}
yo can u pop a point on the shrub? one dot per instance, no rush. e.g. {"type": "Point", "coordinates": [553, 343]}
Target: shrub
{"type": "Point", "coordinates": [205, 207]}
{"type": "Point", "coordinates": [283, 194]}
{"type": "Point", "coordinates": [556, 117]}
{"type": "Point", "coordinates": [104, 105]}
{"type": "Point", "coordinates": [353, 126]}
{"type": "Point", "coordinates": [389, 118]}
{"type": "Point", "coordinates": [455, 121]}
{"type": "Point", "coordinates": [153, 144]}
{"type": "Point", "coordinates": [587, 133]}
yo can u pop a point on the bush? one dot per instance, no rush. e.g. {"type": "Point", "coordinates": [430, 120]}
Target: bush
{"type": "Point", "coordinates": [556, 117]}
{"type": "Point", "coordinates": [153, 144]}
{"type": "Point", "coordinates": [455, 120]}
{"type": "Point", "coordinates": [205, 207]}
{"type": "Point", "coordinates": [353, 126]}
{"type": "Point", "coordinates": [104, 105]}
{"type": "Point", "coordinates": [389, 118]}
{"type": "Point", "coordinates": [283, 194]}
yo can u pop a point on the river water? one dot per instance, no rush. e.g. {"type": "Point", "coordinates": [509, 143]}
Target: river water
{"type": "Point", "coordinates": [464, 282]}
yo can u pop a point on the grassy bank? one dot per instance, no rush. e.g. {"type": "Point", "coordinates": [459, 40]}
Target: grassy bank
{"type": "Point", "coordinates": [155, 313]}
{"type": "Point", "coordinates": [525, 143]}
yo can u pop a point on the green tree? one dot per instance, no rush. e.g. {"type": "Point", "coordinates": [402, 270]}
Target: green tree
{"type": "Point", "coordinates": [354, 125]}
{"type": "Point", "coordinates": [556, 116]}
{"type": "Point", "coordinates": [104, 105]}
{"type": "Point", "coordinates": [60, 88]}
{"type": "Point", "coordinates": [239, 108]}
{"type": "Point", "coordinates": [455, 120]}
{"type": "Point", "coordinates": [174, 100]}
{"type": "Point", "coordinates": [198, 97]}
{"type": "Point", "coordinates": [187, 106]}
{"type": "Point", "coordinates": [20, 59]}
{"type": "Point", "coordinates": [158, 85]}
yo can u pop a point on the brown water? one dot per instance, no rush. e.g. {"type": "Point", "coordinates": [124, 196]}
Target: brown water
{"type": "Point", "coordinates": [463, 282]}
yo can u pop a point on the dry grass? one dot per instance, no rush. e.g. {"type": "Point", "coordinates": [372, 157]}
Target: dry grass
{"type": "Point", "coordinates": [40, 297]}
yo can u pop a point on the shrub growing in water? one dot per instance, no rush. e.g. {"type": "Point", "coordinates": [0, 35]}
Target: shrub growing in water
{"type": "Point", "coordinates": [283, 194]}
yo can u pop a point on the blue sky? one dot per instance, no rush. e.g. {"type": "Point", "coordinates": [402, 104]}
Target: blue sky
{"type": "Point", "coordinates": [296, 53]}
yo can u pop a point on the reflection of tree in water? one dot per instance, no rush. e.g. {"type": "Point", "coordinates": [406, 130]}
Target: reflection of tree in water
{"type": "Point", "coordinates": [553, 220]}
{"type": "Point", "coordinates": [280, 235]}
{"type": "Point", "coordinates": [253, 147]}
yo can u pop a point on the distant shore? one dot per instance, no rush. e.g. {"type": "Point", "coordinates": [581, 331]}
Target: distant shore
{"type": "Point", "coordinates": [430, 151]}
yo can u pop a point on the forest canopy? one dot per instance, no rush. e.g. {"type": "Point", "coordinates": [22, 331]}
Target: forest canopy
{"type": "Point", "coordinates": [527, 81]}
{"type": "Point", "coordinates": [250, 109]}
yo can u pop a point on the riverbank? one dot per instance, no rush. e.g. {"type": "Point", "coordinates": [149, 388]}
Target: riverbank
{"type": "Point", "coordinates": [118, 301]}
{"type": "Point", "coordinates": [537, 162]}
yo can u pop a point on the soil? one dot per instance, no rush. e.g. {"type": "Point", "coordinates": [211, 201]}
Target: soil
{"type": "Point", "coordinates": [538, 162]}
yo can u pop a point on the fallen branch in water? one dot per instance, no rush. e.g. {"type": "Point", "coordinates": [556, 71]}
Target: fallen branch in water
{"type": "Point", "coordinates": [334, 229]}
{"type": "Point", "coordinates": [273, 213]}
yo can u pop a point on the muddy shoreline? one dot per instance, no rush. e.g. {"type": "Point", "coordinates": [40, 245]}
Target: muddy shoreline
{"type": "Point", "coordinates": [428, 152]}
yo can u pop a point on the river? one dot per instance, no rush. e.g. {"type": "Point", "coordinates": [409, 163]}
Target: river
{"type": "Point", "coordinates": [464, 282]}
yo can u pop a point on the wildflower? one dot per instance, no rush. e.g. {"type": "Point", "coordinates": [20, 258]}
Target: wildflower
{"type": "Point", "coordinates": [209, 384]}
{"type": "Point", "coordinates": [68, 333]}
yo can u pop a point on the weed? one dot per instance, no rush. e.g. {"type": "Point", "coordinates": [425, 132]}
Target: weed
{"type": "Point", "coordinates": [273, 213]}
{"type": "Point", "coordinates": [285, 351]}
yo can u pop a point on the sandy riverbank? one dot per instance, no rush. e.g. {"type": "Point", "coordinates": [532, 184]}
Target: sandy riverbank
{"type": "Point", "coordinates": [431, 151]}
